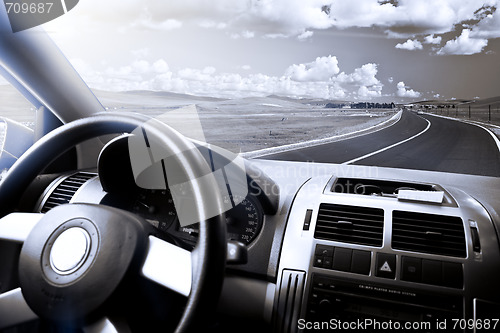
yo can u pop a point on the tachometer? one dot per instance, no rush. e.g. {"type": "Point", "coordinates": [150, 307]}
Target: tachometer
{"type": "Point", "coordinates": [157, 207]}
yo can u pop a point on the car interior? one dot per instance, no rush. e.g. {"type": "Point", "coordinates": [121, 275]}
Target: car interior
{"type": "Point", "coordinates": [112, 221]}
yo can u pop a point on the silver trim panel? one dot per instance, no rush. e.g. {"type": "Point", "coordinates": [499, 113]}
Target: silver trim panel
{"type": "Point", "coordinates": [299, 245]}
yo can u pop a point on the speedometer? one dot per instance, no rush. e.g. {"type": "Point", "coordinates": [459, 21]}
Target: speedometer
{"type": "Point", "coordinates": [244, 221]}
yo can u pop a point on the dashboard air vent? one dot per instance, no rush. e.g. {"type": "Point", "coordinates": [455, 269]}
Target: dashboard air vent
{"type": "Point", "coordinates": [428, 233]}
{"type": "Point", "coordinates": [350, 224]}
{"type": "Point", "coordinates": [289, 300]}
{"type": "Point", "coordinates": [65, 190]}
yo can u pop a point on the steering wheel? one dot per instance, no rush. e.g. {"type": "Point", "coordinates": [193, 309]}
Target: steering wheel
{"type": "Point", "coordinates": [77, 257]}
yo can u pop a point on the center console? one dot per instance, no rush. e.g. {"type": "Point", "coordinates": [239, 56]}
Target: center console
{"type": "Point", "coordinates": [351, 259]}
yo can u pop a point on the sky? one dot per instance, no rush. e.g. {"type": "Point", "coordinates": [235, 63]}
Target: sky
{"type": "Point", "coordinates": [356, 50]}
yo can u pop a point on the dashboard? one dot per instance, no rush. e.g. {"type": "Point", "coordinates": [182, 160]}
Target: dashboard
{"type": "Point", "coordinates": [328, 253]}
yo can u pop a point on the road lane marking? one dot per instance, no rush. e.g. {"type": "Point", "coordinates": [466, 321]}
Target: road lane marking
{"type": "Point", "coordinates": [318, 142]}
{"type": "Point", "coordinates": [391, 146]}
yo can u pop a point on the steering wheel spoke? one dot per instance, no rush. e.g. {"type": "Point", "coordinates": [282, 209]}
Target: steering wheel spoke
{"type": "Point", "coordinates": [169, 266]}
{"type": "Point", "coordinates": [104, 325]}
{"type": "Point", "coordinates": [16, 227]}
{"type": "Point", "coordinates": [14, 310]}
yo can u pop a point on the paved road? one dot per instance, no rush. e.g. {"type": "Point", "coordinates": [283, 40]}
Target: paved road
{"type": "Point", "coordinates": [420, 142]}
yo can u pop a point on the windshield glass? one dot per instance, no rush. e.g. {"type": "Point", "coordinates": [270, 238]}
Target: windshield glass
{"type": "Point", "coordinates": [406, 84]}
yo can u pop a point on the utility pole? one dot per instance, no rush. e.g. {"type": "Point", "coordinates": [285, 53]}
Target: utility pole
{"type": "Point", "coordinates": [489, 113]}
{"type": "Point", "coordinates": [469, 111]}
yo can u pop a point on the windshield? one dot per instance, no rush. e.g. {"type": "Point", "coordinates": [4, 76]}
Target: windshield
{"type": "Point", "coordinates": [404, 84]}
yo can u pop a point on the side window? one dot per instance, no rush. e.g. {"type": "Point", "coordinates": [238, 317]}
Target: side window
{"type": "Point", "coordinates": [17, 122]}
{"type": "Point", "coordinates": [14, 106]}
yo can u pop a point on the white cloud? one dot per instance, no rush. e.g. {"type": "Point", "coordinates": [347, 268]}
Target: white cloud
{"type": "Point", "coordinates": [432, 40]}
{"type": "Point", "coordinates": [140, 66]}
{"type": "Point", "coordinates": [488, 27]}
{"type": "Point", "coordinates": [246, 67]}
{"type": "Point", "coordinates": [365, 75]}
{"type": "Point", "coordinates": [212, 24]}
{"type": "Point", "coordinates": [147, 21]}
{"type": "Point", "coordinates": [165, 25]}
{"type": "Point", "coordinates": [365, 92]}
{"type": "Point", "coordinates": [320, 78]}
{"type": "Point", "coordinates": [410, 45]}
{"type": "Point", "coordinates": [160, 66]}
{"type": "Point", "coordinates": [275, 36]}
{"type": "Point", "coordinates": [365, 78]}
{"type": "Point", "coordinates": [408, 17]}
{"type": "Point", "coordinates": [271, 17]}
{"type": "Point", "coordinates": [427, 20]}
{"type": "Point", "coordinates": [287, 17]}
{"type": "Point", "coordinates": [404, 92]}
{"type": "Point", "coordinates": [322, 69]}
{"type": "Point", "coordinates": [191, 74]}
{"type": "Point", "coordinates": [305, 35]}
{"type": "Point", "coordinates": [244, 34]}
{"type": "Point", "coordinates": [464, 44]}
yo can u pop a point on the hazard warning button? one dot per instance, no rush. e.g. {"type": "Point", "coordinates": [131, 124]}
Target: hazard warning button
{"type": "Point", "coordinates": [385, 265]}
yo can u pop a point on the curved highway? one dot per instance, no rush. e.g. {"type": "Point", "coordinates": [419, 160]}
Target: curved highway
{"type": "Point", "coordinates": [421, 142]}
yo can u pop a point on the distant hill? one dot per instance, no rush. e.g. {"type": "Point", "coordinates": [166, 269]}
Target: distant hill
{"type": "Point", "coordinates": [148, 99]}
{"type": "Point", "coordinates": [310, 101]}
{"type": "Point", "coordinates": [150, 93]}
{"type": "Point", "coordinates": [477, 103]}
{"type": "Point", "coordinates": [484, 102]}
{"type": "Point", "coordinates": [443, 102]}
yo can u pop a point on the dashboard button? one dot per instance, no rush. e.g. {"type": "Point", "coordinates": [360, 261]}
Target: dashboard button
{"type": "Point", "coordinates": [342, 259]}
{"type": "Point", "coordinates": [318, 261]}
{"type": "Point", "coordinates": [324, 251]}
{"type": "Point", "coordinates": [432, 272]}
{"type": "Point", "coordinates": [327, 262]}
{"type": "Point", "coordinates": [307, 219]}
{"type": "Point", "coordinates": [385, 265]}
{"type": "Point", "coordinates": [411, 269]}
{"type": "Point", "coordinates": [361, 262]}
{"type": "Point", "coordinates": [453, 275]}
{"type": "Point", "coordinates": [321, 282]}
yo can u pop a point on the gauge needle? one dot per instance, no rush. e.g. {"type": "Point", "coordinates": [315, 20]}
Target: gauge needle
{"type": "Point", "coordinates": [142, 203]}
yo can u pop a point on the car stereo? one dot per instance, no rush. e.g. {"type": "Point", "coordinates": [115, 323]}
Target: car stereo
{"type": "Point", "coordinates": [334, 298]}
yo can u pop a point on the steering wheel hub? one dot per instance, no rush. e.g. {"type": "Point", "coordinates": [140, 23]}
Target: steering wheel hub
{"type": "Point", "coordinates": [70, 250]}
{"type": "Point", "coordinates": [76, 257]}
